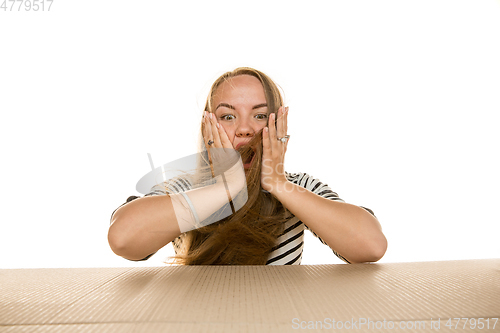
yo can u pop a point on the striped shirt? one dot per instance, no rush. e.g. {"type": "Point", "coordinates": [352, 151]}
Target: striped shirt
{"type": "Point", "coordinates": [290, 244]}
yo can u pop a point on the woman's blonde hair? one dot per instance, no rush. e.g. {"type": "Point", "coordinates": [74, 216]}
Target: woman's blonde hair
{"type": "Point", "coordinates": [248, 236]}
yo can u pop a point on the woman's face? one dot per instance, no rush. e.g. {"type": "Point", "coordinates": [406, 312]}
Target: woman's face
{"type": "Point", "coordinates": [241, 108]}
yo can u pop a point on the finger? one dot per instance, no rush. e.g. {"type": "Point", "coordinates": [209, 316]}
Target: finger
{"type": "Point", "coordinates": [266, 145]}
{"type": "Point", "coordinates": [207, 129]}
{"type": "Point", "coordinates": [282, 132]}
{"type": "Point", "coordinates": [226, 143]}
{"type": "Point", "coordinates": [272, 135]}
{"type": "Point", "coordinates": [285, 121]}
{"type": "Point", "coordinates": [265, 140]}
{"type": "Point", "coordinates": [215, 131]}
{"type": "Point", "coordinates": [280, 124]}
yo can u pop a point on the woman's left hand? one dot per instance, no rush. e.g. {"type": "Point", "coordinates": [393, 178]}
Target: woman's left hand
{"type": "Point", "coordinates": [273, 176]}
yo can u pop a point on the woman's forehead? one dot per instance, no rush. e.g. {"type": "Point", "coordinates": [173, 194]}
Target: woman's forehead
{"type": "Point", "coordinates": [239, 86]}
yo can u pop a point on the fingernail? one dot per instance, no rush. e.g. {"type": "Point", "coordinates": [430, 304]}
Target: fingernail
{"type": "Point", "coordinates": [218, 125]}
{"type": "Point", "coordinates": [266, 129]}
{"type": "Point", "coordinates": [286, 109]}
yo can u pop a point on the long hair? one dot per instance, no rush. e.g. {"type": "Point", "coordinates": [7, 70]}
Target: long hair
{"type": "Point", "coordinates": [248, 236]}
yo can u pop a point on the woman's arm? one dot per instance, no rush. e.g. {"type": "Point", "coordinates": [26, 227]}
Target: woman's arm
{"type": "Point", "coordinates": [350, 230]}
{"type": "Point", "coordinates": [143, 226]}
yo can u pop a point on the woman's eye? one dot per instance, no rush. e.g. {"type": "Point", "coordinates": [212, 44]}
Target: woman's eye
{"type": "Point", "coordinates": [261, 116]}
{"type": "Point", "coordinates": [227, 117]}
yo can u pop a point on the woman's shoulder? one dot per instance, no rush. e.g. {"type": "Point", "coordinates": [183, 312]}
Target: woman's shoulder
{"type": "Point", "coordinates": [173, 185]}
{"type": "Point", "coordinates": [297, 176]}
{"type": "Point", "coordinates": [316, 186]}
{"type": "Point", "coordinates": [302, 178]}
{"type": "Point", "coordinates": [312, 184]}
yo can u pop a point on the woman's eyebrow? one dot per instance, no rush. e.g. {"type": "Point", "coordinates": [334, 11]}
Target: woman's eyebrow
{"type": "Point", "coordinates": [258, 106]}
{"type": "Point", "coordinates": [226, 105]}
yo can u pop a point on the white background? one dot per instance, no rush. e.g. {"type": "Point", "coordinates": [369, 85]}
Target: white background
{"type": "Point", "coordinates": [393, 104]}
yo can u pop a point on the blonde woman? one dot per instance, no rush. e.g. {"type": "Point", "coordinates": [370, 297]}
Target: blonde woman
{"type": "Point", "coordinates": [244, 113]}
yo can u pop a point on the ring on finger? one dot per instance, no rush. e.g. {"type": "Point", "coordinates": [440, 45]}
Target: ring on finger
{"type": "Point", "coordinates": [284, 139]}
{"type": "Point", "coordinates": [210, 142]}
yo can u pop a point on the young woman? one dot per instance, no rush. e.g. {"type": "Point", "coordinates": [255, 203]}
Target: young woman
{"type": "Point", "coordinates": [244, 111]}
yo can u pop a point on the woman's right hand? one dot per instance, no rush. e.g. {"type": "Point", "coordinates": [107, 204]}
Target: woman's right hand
{"type": "Point", "coordinates": [213, 131]}
{"type": "Point", "coordinates": [223, 157]}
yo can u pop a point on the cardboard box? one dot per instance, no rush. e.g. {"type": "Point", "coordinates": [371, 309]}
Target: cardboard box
{"type": "Point", "coordinates": [411, 297]}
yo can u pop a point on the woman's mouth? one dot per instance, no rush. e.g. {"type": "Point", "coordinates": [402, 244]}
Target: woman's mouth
{"type": "Point", "coordinates": [247, 155]}
{"type": "Point", "coordinates": [248, 163]}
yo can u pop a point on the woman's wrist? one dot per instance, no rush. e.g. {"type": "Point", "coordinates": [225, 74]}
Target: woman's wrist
{"type": "Point", "coordinates": [281, 188]}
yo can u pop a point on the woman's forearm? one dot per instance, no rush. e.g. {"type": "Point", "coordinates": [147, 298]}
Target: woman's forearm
{"type": "Point", "coordinates": [348, 229]}
{"type": "Point", "coordinates": [145, 225]}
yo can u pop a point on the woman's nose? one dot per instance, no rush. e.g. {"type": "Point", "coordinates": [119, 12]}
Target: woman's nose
{"type": "Point", "coordinates": [244, 129]}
